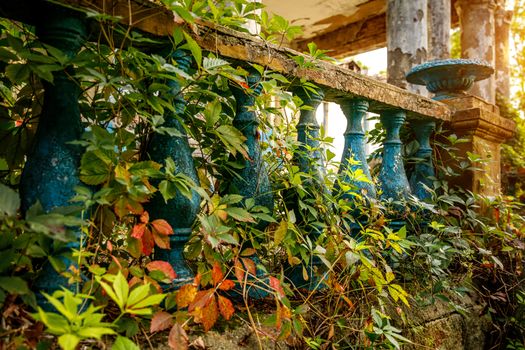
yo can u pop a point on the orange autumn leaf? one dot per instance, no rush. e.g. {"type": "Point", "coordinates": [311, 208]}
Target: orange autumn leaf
{"type": "Point", "coordinates": [250, 265]}
{"type": "Point", "coordinates": [201, 300]}
{"type": "Point", "coordinates": [133, 281]}
{"type": "Point", "coordinates": [226, 307]}
{"type": "Point", "coordinates": [162, 266]}
{"type": "Point", "coordinates": [197, 279]}
{"type": "Point", "coordinates": [216, 273]}
{"type": "Point", "coordinates": [239, 270]}
{"type": "Point", "coordinates": [160, 321]}
{"type": "Point", "coordinates": [161, 241]}
{"type": "Point", "coordinates": [227, 285]}
{"type": "Point", "coordinates": [143, 234]}
{"type": "Point", "coordinates": [276, 285]}
{"type": "Point", "coordinates": [185, 295]}
{"type": "Point", "coordinates": [162, 227]}
{"type": "Point", "coordinates": [144, 218]}
{"type": "Point", "coordinates": [138, 231]}
{"type": "Point", "coordinates": [207, 315]}
{"type": "Point", "coordinates": [154, 283]}
{"type": "Point", "coordinates": [147, 242]}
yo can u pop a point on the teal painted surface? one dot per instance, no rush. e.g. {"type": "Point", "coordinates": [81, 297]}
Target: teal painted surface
{"type": "Point", "coordinates": [180, 212]}
{"type": "Point", "coordinates": [51, 170]}
{"type": "Point", "coordinates": [424, 169]}
{"type": "Point", "coordinates": [309, 162]}
{"type": "Point", "coordinates": [354, 154]}
{"type": "Point", "coordinates": [392, 177]}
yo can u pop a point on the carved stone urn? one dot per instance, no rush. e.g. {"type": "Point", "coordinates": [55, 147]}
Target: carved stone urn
{"type": "Point", "coordinates": [449, 78]}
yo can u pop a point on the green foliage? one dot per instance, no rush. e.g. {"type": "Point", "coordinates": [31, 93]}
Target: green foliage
{"type": "Point", "coordinates": [70, 324]}
{"type": "Point", "coordinates": [368, 270]}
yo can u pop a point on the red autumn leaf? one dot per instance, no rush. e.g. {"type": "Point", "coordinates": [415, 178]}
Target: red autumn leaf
{"type": "Point", "coordinates": [227, 285]}
{"type": "Point", "coordinates": [162, 266]}
{"type": "Point", "coordinates": [226, 307]}
{"type": "Point", "coordinates": [160, 321]}
{"type": "Point", "coordinates": [147, 242]}
{"type": "Point", "coordinates": [239, 271]}
{"type": "Point", "coordinates": [250, 265]}
{"type": "Point", "coordinates": [138, 231]}
{"type": "Point", "coordinates": [185, 295]}
{"type": "Point", "coordinates": [162, 227]}
{"type": "Point", "coordinates": [161, 241]}
{"type": "Point", "coordinates": [276, 285]}
{"type": "Point", "coordinates": [144, 218]}
{"type": "Point", "coordinates": [216, 273]}
{"type": "Point", "coordinates": [178, 339]}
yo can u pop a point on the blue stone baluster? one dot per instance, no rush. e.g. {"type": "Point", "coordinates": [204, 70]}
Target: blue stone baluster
{"type": "Point", "coordinates": [180, 212]}
{"type": "Point", "coordinates": [252, 180]}
{"type": "Point", "coordinates": [51, 171]}
{"type": "Point", "coordinates": [392, 177]}
{"type": "Point", "coordinates": [308, 136]}
{"type": "Point", "coordinates": [355, 111]}
{"type": "Point", "coordinates": [311, 163]}
{"type": "Point", "coordinates": [424, 169]}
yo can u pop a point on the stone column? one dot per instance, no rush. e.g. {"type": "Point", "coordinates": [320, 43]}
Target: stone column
{"type": "Point", "coordinates": [392, 178]}
{"type": "Point", "coordinates": [421, 178]}
{"type": "Point", "coordinates": [503, 19]}
{"type": "Point", "coordinates": [354, 155]}
{"type": "Point", "coordinates": [407, 42]}
{"type": "Point", "coordinates": [180, 211]}
{"type": "Point", "coordinates": [477, 25]}
{"type": "Point", "coordinates": [51, 174]}
{"type": "Point", "coordinates": [439, 29]}
{"type": "Point", "coordinates": [309, 158]}
{"type": "Point", "coordinates": [308, 136]}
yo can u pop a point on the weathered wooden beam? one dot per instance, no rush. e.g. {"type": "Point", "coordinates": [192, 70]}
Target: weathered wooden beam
{"type": "Point", "coordinates": [352, 39]}
{"type": "Point", "coordinates": [337, 82]}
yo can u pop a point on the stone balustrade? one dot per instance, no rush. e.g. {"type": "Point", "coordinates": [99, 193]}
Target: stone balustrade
{"type": "Point", "coordinates": [355, 93]}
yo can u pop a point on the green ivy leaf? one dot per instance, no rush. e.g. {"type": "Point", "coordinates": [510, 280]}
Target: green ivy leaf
{"type": "Point", "coordinates": [194, 48]}
{"type": "Point", "coordinates": [9, 201]}
{"type": "Point", "coordinates": [94, 170]}
{"type": "Point", "coordinates": [68, 341]}
{"type": "Point", "coordinates": [14, 285]}
{"type": "Point", "coordinates": [123, 343]}
{"type": "Point", "coordinates": [18, 73]}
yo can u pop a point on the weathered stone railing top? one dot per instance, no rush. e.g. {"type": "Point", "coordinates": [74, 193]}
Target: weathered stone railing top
{"type": "Point", "coordinates": [337, 82]}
